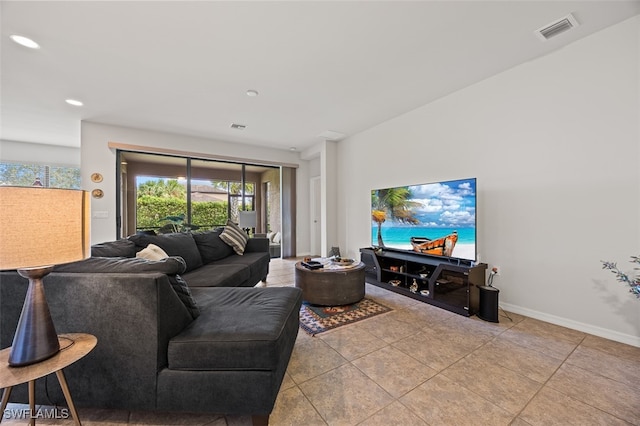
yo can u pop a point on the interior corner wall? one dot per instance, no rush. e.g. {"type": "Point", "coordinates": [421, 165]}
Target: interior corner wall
{"type": "Point", "coordinates": [554, 145]}
{"type": "Point", "coordinates": [96, 157]}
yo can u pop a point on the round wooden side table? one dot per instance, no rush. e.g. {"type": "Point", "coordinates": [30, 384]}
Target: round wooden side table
{"type": "Point", "coordinates": [73, 346]}
{"type": "Point", "coordinates": [331, 287]}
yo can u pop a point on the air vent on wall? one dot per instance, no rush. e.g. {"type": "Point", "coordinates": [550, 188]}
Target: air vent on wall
{"type": "Point", "coordinates": [557, 27]}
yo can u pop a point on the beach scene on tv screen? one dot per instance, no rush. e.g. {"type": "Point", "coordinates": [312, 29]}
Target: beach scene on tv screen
{"type": "Point", "coordinates": [433, 218]}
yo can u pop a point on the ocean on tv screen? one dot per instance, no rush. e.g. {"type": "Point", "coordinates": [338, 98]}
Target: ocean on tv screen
{"type": "Point", "coordinates": [399, 237]}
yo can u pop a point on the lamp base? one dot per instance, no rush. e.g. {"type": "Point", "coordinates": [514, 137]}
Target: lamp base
{"type": "Point", "coordinates": [36, 338]}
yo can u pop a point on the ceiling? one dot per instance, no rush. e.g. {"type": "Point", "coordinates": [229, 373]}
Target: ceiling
{"type": "Point", "coordinates": [185, 67]}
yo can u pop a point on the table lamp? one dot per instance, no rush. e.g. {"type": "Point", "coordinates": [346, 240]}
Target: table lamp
{"type": "Point", "coordinates": [40, 228]}
{"type": "Point", "coordinates": [247, 219]}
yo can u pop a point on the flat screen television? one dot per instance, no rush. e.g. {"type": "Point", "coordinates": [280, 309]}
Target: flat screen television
{"type": "Point", "coordinates": [436, 219]}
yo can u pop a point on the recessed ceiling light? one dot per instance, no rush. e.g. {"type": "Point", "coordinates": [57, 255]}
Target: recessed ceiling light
{"type": "Point", "coordinates": [73, 102]}
{"type": "Point", "coordinates": [252, 93]}
{"type": "Point", "coordinates": [293, 148]}
{"type": "Point", "coordinates": [24, 41]}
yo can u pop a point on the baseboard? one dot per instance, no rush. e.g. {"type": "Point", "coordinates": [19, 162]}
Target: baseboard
{"type": "Point", "coordinates": [574, 325]}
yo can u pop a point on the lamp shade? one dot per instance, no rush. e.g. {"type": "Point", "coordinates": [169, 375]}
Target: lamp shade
{"type": "Point", "coordinates": [43, 226]}
{"type": "Point", "coordinates": [247, 219]}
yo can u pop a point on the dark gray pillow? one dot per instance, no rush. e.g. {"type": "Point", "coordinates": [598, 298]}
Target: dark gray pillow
{"type": "Point", "coordinates": [211, 247]}
{"type": "Point", "coordinates": [118, 248]}
{"type": "Point", "coordinates": [175, 244]}
{"type": "Point", "coordinates": [183, 291]}
{"type": "Point", "coordinates": [171, 266]}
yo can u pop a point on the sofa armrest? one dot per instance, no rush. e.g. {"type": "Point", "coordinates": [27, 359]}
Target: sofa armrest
{"type": "Point", "coordinates": [133, 317]}
{"type": "Point", "coordinates": [257, 245]}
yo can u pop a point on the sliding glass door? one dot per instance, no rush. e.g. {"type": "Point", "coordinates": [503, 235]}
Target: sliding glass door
{"type": "Point", "coordinates": [161, 194]}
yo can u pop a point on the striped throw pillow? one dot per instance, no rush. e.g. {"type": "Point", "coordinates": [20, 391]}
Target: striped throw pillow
{"type": "Point", "coordinates": [235, 237]}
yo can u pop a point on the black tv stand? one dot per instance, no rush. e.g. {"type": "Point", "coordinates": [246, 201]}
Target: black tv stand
{"type": "Point", "coordinates": [448, 283]}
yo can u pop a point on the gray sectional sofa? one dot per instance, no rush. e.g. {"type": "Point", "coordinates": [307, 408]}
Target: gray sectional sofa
{"type": "Point", "coordinates": [187, 333]}
{"type": "Point", "coordinates": [274, 246]}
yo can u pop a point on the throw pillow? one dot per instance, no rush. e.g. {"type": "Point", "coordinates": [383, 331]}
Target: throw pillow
{"type": "Point", "coordinates": [277, 238]}
{"type": "Point", "coordinates": [152, 252]}
{"type": "Point", "coordinates": [118, 248]}
{"type": "Point", "coordinates": [211, 247]}
{"type": "Point", "coordinates": [181, 288]}
{"type": "Point", "coordinates": [175, 244]}
{"type": "Point", "coordinates": [235, 237]}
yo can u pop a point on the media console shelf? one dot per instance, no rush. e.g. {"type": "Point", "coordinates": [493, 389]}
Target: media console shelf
{"type": "Point", "coordinates": [447, 283]}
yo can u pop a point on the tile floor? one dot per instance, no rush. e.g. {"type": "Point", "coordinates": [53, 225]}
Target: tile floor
{"type": "Point", "coordinates": [421, 365]}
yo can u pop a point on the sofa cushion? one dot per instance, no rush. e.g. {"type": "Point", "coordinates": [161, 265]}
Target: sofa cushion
{"type": "Point", "coordinates": [118, 248]}
{"type": "Point", "coordinates": [152, 252]}
{"type": "Point", "coordinates": [217, 275]}
{"type": "Point", "coordinates": [256, 262]}
{"type": "Point", "coordinates": [235, 237]}
{"type": "Point", "coordinates": [239, 329]}
{"type": "Point", "coordinates": [171, 266]}
{"type": "Point", "coordinates": [211, 246]}
{"type": "Point", "coordinates": [175, 244]}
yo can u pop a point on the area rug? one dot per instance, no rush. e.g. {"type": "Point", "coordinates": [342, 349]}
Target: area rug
{"type": "Point", "coordinates": [318, 319]}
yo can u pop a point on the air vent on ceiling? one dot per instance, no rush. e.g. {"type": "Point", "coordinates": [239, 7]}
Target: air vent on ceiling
{"type": "Point", "coordinates": [238, 126]}
{"type": "Point", "coordinates": [557, 27]}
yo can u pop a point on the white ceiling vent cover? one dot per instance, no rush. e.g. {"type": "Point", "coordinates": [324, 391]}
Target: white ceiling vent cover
{"type": "Point", "coordinates": [557, 27]}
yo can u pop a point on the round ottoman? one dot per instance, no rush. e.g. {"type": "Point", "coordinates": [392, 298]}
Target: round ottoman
{"type": "Point", "coordinates": [331, 286]}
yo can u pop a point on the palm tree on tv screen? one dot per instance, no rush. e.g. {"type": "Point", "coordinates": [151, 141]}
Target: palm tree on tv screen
{"type": "Point", "coordinates": [394, 203]}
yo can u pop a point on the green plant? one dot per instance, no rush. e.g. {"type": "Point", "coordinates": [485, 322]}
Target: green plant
{"type": "Point", "coordinates": [632, 282]}
{"type": "Point", "coordinates": [152, 211]}
{"type": "Point", "coordinates": [177, 224]}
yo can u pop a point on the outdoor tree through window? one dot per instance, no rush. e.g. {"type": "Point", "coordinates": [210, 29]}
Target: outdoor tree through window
{"type": "Point", "coordinates": [162, 203]}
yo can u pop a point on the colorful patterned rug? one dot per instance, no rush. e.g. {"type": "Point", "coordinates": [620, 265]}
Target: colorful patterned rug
{"type": "Point", "coordinates": [318, 319]}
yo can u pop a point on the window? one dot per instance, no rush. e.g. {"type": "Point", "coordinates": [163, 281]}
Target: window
{"type": "Point", "coordinates": [216, 190]}
{"type": "Point", "coordinates": [161, 204]}
{"type": "Point", "coordinates": [165, 193]}
{"type": "Point", "coordinates": [29, 174]}
{"type": "Point", "coordinates": [239, 201]}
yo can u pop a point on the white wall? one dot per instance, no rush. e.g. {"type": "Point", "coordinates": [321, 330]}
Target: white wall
{"type": "Point", "coordinates": [554, 144]}
{"type": "Point", "coordinates": [23, 152]}
{"type": "Point", "coordinates": [98, 158]}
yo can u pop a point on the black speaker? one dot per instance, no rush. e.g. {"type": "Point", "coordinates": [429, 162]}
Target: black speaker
{"type": "Point", "coordinates": [488, 303]}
